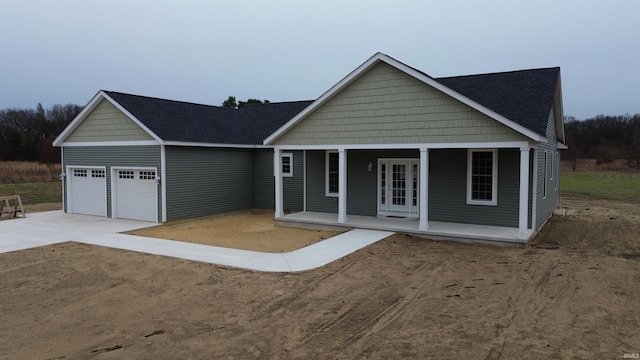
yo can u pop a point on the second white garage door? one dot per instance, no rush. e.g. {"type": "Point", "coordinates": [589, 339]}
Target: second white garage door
{"type": "Point", "coordinates": [136, 194]}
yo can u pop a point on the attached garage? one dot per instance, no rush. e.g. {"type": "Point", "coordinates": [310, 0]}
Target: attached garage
{"type": "Point", "coordinates": [88, 191]}
{"type": "Point", "coordinates": [135, 194]}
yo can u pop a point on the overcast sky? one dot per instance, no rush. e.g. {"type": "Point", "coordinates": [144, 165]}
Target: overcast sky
{"type": "Point", "coordinates": [59, 52]}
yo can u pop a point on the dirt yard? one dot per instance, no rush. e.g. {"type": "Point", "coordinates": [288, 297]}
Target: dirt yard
{"type": "Point", "coordinates": [573, 293]}
{"type": "Point", "coordinates": [249, 230]}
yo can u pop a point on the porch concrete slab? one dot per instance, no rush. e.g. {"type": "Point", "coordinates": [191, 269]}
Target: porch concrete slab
{"type": "Point", "coordinates": [55, 227]}
{"type": "Point", "coordinates": [437, 229]}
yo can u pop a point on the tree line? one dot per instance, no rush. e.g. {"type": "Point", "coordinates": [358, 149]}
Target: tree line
{"type": "Point", "coordinates": [28, 134]}
{"type": "Point", "coordinates": [604, 138]}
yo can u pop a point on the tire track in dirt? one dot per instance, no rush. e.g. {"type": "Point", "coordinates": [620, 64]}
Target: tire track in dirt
{"type": "Point", "coordinates": [351, 329]}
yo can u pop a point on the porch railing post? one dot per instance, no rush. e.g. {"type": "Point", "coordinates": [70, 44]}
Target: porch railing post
{"type": "Point", "coordinates": [424, 189]}
{"type": "Point", "coordinates": [524, 194]}
{"type": "Point", "coordinates": [277, 173]}
{"type": "Point", "coordinates": [342, 186]}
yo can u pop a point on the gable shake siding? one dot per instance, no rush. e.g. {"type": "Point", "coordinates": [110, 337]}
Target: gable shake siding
{"type": "Point", "coordinates": [387, 106]}
{"type": "Point", "coordinates": [546, 206]}
{"type": "Point", "coordinates": [113, 156]}
{"type": "Point", "coordinates": [107, 123]}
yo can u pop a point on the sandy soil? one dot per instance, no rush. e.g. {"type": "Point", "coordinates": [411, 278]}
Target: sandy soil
{"type": "Point", "coordinates": [573, 293]}
{"type": "Point", "coordinates": [251, 230]}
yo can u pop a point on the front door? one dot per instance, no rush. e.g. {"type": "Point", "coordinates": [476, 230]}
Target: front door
{"type": "Point", "coordinates": [398, 187]}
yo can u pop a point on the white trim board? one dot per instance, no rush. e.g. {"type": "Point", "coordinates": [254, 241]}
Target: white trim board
{"type": "Point", "coordinates": [479, 145]}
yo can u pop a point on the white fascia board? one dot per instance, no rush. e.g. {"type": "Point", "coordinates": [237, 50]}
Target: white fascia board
{"type": "Point", "coordinates": [414, 73]}
{"type": "Point", "coordinates": [478, 145]}
{"type": "Point", "coordinates": [109, 143]}
{"type": "Point", "coordinates": [562, 146]}
{"type": "Point", "coordinates": [133, 118]}
{"type": "Point", "coordinates": [212, 145]}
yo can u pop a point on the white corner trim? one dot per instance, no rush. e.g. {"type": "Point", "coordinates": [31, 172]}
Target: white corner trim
{"type": "Point", "coordinates": [380, 57]}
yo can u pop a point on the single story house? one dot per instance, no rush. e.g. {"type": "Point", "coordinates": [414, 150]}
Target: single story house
{"type": "Point", "coordinates": [387, 147]}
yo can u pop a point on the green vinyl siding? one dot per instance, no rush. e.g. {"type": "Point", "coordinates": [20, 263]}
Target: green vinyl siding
{"type": "Point", "coordinates": [107, 123]}
{"type": "Point", "coordinates": [448, 189]}
{"type": "Point", "coordinates": [362, 193]}
{"type": "Point", "coordinates": [204, 181]}
{"type": "Point", "coordinates": [546, 206]}
{"type": "Point", "coordinates": [293, 187]}
{"type": "Point", "coordinates": [316, 199]}
{"type": "Point", "coordinates": [263, 183]}
{"type": "Point", "coordinates": [388, 106]}
{"type": "Point", "coordinates": [113, 156]}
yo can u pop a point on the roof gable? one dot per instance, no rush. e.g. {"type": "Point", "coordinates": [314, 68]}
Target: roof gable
{"type": "Point", "coordinates": [107, 123]}
{"type": "Point", "coordinates": [387, 106]}
{"type": "Point", "coordinates": [101, 100]}
{"type": "Point", "coordinates": [435, 83]}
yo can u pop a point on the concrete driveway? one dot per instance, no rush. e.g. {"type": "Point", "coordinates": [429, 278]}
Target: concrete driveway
{"type": "Point", "coordinates": [54, 227]}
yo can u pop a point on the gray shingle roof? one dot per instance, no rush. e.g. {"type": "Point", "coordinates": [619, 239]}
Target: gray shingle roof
{"type": "Point", "coordinates": [524, 96]}
{"type": "Point", "coordinates": [188, 122]}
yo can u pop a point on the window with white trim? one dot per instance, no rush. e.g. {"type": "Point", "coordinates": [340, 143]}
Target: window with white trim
{"type": "Point", "coordinates": [80, 172]}
{"type": "Point", "coordinates": [287, 165]}
{"type": "Point", "coordinates": [482, 177]}
{"type": "Point", "coordinates": [332, 173]}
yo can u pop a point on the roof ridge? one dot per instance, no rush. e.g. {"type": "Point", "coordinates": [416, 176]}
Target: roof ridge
{"type": "Point", "coordinates": [162, 99]}
{"type": "Point", "coordinates": [500, 72]}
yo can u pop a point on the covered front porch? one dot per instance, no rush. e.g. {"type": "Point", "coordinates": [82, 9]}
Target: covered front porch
{"type": "Point", "coordinates": [437, 230]}
{"type": "Point", "coordinates": [423, 189]}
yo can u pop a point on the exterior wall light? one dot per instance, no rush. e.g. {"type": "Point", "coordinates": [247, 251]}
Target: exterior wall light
{"type": "Point", "coordinates": [157, 179]}
{"type": "Point", "coordinates": [63, 176]}
{"type": "Point", "coordinates": [370, 166]}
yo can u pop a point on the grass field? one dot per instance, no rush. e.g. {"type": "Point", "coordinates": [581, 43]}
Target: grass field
{"type": "Point", "coordinates": [601, 185]}
{"type": "Point", "coordinates": [34, 193]}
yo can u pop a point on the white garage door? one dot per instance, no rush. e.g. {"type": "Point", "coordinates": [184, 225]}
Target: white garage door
{"type": "Point", "coordinates": [135, 195]}
{"type": "Point", "coordinates": [87, 191]}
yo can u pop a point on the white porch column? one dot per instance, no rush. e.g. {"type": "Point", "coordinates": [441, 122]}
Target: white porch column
{"type": "Point", "coordinates": [342, 186]}
{"type": "Point", "coordinates": [277, 173]}
{"type": "Point", "coordinates": [424, 190]}
{"type": "Point", "coordinates": [524, 193]}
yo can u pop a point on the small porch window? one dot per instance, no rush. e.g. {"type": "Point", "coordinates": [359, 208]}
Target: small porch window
{"type": "Point", "coordinates": [482, 177]}
{"type": "Point", "coordinates": [332, 173]}
{"type": "Point", "coordinates": [287, 165]}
